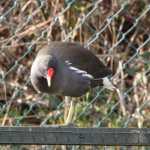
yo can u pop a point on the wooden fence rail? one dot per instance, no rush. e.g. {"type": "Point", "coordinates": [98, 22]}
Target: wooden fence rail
{"type": "Point", "coordinates": [74, 136]}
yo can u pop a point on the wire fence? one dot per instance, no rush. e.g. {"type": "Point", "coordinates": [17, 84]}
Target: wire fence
{"type": "Point", "coordinates": [118, 32]}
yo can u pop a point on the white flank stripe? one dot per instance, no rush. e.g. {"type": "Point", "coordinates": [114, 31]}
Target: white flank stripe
{"type": "Point", "coordinates": [67, 62]}
{"type": "Point", "coordinates": [88, 75]}
{"type": "Point", "coordinates": [78, 71]}
{"type": "Point", "coordinates": [82, 72]}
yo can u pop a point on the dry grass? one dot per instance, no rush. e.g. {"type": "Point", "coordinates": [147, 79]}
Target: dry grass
{"type": "Point", "coordinates": [28, 25]}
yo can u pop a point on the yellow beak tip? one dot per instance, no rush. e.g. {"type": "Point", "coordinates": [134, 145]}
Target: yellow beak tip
{"type": "Point", "coordinates": [49, 81]}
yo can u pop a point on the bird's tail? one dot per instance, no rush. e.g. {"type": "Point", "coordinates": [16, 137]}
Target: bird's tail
{"type": "Point", "coordinates": [106, 82]}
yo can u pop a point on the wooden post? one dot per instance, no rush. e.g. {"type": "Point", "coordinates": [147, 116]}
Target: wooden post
{"type": "Point", "coordinates": [74, 136]}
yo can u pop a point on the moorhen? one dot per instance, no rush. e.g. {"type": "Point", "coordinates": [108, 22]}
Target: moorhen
{"type": "Point", "coordinates": [68, 69]}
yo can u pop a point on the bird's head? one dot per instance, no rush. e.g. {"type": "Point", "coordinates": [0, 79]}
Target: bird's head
{"type": "Point", "coordinates": [42, 71]}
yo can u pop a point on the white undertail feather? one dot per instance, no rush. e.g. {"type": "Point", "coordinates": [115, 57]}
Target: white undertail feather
{"type": "Point", "coordinates": [107, 84]}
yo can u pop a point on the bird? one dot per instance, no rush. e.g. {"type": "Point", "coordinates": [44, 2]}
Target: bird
{"type": "Point", "coordinates": [68, 69]}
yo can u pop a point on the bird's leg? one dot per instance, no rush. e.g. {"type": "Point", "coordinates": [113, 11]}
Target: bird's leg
{"type": "Point", "coordinates": [66, 106]}
{"type": "Point", "coordinates": [68, 116]}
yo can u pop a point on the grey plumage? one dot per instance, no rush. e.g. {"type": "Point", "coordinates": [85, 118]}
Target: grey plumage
{"type": "Point", "coordinates": [76, 69]}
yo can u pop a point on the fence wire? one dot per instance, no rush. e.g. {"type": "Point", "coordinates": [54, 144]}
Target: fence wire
{"type": "Point", "coordinates": [118, 32]}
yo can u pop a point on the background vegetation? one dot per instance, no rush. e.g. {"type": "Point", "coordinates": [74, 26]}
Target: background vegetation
{"type": "Point", "coordinates": [117, 31]}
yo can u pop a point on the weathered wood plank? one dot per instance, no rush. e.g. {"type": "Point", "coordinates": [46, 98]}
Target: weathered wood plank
{"type": "Point", "coordinates": [74, 136]}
